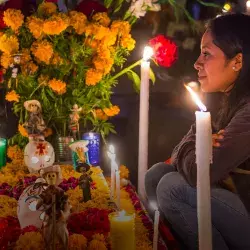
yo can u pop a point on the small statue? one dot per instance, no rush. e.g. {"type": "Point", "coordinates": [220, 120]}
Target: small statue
{"type": "Point", "coordinates": [57, 209]}
{"type": "Point", "coordinates": [16, 68]}
{"type": "Point", "coordinates": [35, 125]}
{"type": "Point", "coordinates": [74, 120]}
{"type": "Point", "coordinates": [85, 181]}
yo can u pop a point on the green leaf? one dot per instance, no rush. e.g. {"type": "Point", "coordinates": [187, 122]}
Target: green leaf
{"type": "Point", "coordinates": [135, 78]}
{"type": "Point", "coordinates": [152, 75]}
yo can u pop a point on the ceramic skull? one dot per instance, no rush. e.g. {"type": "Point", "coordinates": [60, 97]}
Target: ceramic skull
{"type": "Point", "coordinates": [38, 155]}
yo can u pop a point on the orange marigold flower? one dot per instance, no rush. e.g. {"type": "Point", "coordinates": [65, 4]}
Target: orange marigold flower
{"type": "Point", "coordinates": [120, 27]}
{"type": "Point", "coordinates": [15, 153]}
{"type": "Point", "coordinates": [112, 111]}
{"type": "Point", "coordinates": [96, 31]}
{"type": "Point", "coordinates": [102, 18]}
{"type": "Point", "coordinates": [78, 21]}
{"type": "Point", "coordinates": [93, 76]}
{"type": "Point", "coordinates": [12, 96]}
{"type": "Point", "coordinates": [13, 18]}
{"type": "Point", "coordinates": [103, 65]}
{"type": "Point", "coordinates": [77, 241]}
{"type": "Point", "coordinates": [109, 39]}
{"type": "Point", "coordinates": [57, 86]}
{"type": "Point", "coordinates": [42, 50]}
{"type": "Point", "coordinates": [47, 8]}
{"type": "Point", "coordinates": [124, 172]}
{"type": "Point", "coordinates": [22, 130]}
{"type": "Point", "coordinates": [99, 114]}
{"type": "Point", "coordinates": [6, 60]}
{"type": "Point", "coordinates": [128, 42]}
{"type": "Point", "coordinates": [35, 26]}
{"type": "Point", "coordinates": [9, 44]}
{"type": "Point", "coordinates": [56, 24]}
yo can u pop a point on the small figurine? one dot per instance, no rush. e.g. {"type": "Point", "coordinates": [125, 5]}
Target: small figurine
{"type": "Point", "coordinates": [57, 209]}
{"type": "Point", "coordinates": [35, 125]}
{"type": "Point", "coordinates": [74, 120]}
{"type": "Point", "coordinates": [80, 152]}
{"type": "Point", "coordinates": [15, 69]}
{"type": "Point", "coordinates": [85, 181]}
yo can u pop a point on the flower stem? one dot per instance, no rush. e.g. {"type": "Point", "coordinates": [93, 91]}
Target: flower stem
{"type": "Point", "coordinates": [35, 90]}
{"type": "Point", "coordinates": [125, 70]}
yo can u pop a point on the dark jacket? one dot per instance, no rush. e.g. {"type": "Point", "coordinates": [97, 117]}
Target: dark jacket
{"type": "Point", "coordinates": [233, 154]}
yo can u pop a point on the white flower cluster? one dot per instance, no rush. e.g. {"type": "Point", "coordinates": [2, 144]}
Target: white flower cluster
{"type": "Point", "coordinates": [138, 8]}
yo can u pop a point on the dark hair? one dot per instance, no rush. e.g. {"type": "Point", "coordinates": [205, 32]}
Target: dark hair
{"type": "Point", "coordinates": [231, 34]}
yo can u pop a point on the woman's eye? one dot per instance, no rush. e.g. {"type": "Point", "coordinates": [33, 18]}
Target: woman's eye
{"type": "Point", "coordinates": [205, 53]}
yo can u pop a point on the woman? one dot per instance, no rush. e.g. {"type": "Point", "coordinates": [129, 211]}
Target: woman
{"type": "Point", "coordinates": [223, 66]}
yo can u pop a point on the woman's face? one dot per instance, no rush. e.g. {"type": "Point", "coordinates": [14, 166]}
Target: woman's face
{"type": "Point", "coordinates": [215, 72]}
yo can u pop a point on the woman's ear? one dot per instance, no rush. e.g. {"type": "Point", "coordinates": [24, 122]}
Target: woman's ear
{"type": "Point", "coordinates": [237, 62]}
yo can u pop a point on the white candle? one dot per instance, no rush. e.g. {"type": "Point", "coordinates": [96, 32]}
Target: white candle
{"type": "Point", "coordinates": [248, 7]}
{"type": "Point", "coordinates": [118, 199]}
{"type": "Point", "coordinates": [156, 229]}
{"type": "Point", "coordinates": [203, 159]}
{"type": "Point", "coordinates": [112, 156]}
{"type": "Point", "coordinates": [143, 121]}
{"type": "Point", "coordinates": [203, 146]}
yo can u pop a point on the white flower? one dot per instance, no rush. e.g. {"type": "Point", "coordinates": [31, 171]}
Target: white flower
{"type": "Point", "coordinates": [138, 8]}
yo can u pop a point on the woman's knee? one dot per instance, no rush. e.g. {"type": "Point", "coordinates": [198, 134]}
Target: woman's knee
{"type": "Point", "coordinates": [157, 171]}
{"type": "Point", "coordinates": [171, 187]}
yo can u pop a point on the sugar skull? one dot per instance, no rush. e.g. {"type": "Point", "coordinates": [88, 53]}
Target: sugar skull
{"type": "Point", "coordinates": [38, 155]}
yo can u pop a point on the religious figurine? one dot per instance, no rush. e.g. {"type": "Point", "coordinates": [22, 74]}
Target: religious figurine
{"type": "Point", "coordinates": [74, 120]}
{"type": "Point", "coordinates": [57, 209]}
{"type": "Point", "coordinates": [80, 152]}
{"type": "Point", "coordinates": [16, 68]}
{"type": "Point", "coordinates": [85, 181]}
{"type": "Point", "coordinates": [35, 124]}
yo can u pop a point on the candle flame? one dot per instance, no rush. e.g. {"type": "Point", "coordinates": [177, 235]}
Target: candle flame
{"type": "Point", "coordinates": [148, 52]}
{"type": "Point", "coordinates": [196, 99]}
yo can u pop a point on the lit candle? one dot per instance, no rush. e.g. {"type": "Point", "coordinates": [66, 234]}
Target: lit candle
{"type": "Point", "coordinates": [3, 149]}
{"type": "Point", "coordinates": [117, 181]}
{"type": "Point", "coordinates": [122, 231]}
{"type": "Point", "coordinates": [203, 159]}
{"type": "Point", "coordinates": [248, 7]}
{"type": "Point", "coordinates": [112, 156]}
{"type": "Point", "coordinates": [143, 120]}
{"type": "Point", "coordinates": [156, 226]}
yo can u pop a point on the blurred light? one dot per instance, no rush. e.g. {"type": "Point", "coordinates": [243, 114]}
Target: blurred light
{"type": "Point", "coordinates": [227, 7]}
{"type": "Point", "coordinates": [148, 52]}
{"type": "Point", "coordinates": [248, 4]}
{"type": "Point", "coordinates": [193, 84]}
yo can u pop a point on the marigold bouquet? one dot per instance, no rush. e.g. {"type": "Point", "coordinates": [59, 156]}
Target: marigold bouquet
{"type": "Point", "coordinates": [62, 59]}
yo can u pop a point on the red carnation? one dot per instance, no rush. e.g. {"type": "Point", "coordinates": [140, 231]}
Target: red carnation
{"type": "Point", "coordinates": [165, 51]}
{"type": "Point", "coordinates": [2, 23]}
{"type": "Point", "coordinates": [90, 7]}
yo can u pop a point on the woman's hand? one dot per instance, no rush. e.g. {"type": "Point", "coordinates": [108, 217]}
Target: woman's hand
{"type": "Point", "coordinates": [217, 137]}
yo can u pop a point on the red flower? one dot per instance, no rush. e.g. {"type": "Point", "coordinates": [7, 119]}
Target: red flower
{"type": "Point", "coordinates": [29, 228]}
{"type": "Point", "coordinates": [165, 51]}
{"type": "Point", "coordinates": [90, 7]}
{"type": "Point", "coordinates": [2, 23]}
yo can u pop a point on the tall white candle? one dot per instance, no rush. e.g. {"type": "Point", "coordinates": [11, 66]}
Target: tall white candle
{"type": "Point", "coordinates": [118, 198]}
{"type": "Point", "coordinates": [143, 121]}
{"type": "Point", "coordinates": [203, 159]}
{"type": "Point", "coordinates": [156, 229]}
{"type": "Point", "coordinates": [112, 156]}
{"type": "Point", "coordinates": [203, 146]}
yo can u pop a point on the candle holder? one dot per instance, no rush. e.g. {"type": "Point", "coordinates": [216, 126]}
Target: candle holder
{"type": "Point", "coordinates": [93, 146]}
{"type": "Point", "coordinates": [3, 150]}
{"type": "Point", "coordinates": [122, 230]}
